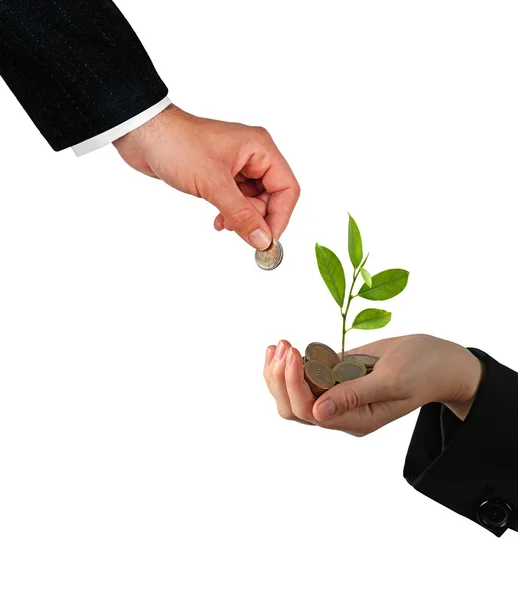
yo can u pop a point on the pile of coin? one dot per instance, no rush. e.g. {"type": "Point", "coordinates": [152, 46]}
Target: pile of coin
{"type": "Point", "coordinates": [323, 368]}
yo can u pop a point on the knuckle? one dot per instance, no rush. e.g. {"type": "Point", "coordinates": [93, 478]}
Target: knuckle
{"type": "Point", "coordinates": [349, 399]}
{"type": "Point", "coordinates": [261, 131]}
{"type": "Point", "coordinates": [299, 414]}
{"type": "Point", "coordinates": [425, 337]}
{"type": "Point", "coordinates": [285, 413]}
{"type": "Point", "coordinates": [242, 217]}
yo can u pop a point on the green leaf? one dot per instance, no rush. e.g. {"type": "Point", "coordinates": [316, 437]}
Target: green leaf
{"type": "Point", "coordinates": [372, 318]}
{"type": "Point", "coordinates": [366, 277]}
{"type": "Point", "coordinates": [385, 285]}
{"type": "Point", "coordinates": [355, 243]}
{"type": "Point", "coordinates": [332, 273]}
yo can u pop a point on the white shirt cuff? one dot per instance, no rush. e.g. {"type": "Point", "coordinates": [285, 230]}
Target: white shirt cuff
{"type": "Point", "coordinates": [103, 139]}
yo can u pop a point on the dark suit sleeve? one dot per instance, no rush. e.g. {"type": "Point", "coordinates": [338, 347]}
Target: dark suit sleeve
{"type": "Point", "coordinates": [471, 467]}
{"type": "Point", "coordinates": [76, 66]}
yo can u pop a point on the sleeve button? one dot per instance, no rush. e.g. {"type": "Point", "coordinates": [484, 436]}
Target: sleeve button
{"type": "Point", "coordinates": [494, 514]}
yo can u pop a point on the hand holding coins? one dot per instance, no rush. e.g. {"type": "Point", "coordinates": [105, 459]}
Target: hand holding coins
{"type": "Point", "coordinates": [402, 380]}
{"type": "Point", "coordinates": [323, 368]}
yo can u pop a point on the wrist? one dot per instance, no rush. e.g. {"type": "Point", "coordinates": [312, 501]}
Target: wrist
{"type": "Point", "coordinates": [471, 373]}
{"type": "Point", "coordinates": [148, 129]}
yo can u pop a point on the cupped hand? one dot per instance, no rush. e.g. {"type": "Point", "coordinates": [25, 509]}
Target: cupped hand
{"type": "Point", "coordinates": [237, 168]}
{"type": "Point", "coordinates": [411, 372]}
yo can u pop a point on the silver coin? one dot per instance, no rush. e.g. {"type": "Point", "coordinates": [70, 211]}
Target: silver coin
{"type": "Point", "coordinates": [270, 258]}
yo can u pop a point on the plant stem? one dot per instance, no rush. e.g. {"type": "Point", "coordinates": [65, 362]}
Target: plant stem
{"type": "Point", "coordinates": [344, 314]}
{"type": "Point", "coordinates": [344, 331]}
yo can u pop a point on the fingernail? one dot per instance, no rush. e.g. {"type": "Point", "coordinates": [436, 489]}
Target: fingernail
{"type": "Point", "coordinates": [326, 410]}
{"type": "Point", "coordinates": [289, 357]}
{"type": "Point", "coordinates": [281, 350]}
{"type": "Point", "coordinates": [259, 239]}
{"type": "Point", "coordinates": [269, 356]}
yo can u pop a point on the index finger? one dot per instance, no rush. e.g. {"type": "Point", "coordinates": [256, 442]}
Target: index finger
{"type": "Point", "coordinates": [284, 189]}
{"type": "Point", "coordinates": [265, 162]}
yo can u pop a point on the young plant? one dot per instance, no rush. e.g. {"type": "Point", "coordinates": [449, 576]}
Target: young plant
{"type": "Point", "coordinates": [383, 286]}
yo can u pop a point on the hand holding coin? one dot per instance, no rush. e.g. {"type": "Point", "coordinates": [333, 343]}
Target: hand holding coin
{"type": "Point", "coordinates": [237, 168]}
{"type": "Point", "coordinates": [360, 394]}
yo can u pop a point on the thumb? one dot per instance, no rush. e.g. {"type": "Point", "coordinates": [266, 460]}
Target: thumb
{"type": "Point", "coordinates": [349, 395]}
{"type": "Point", "coordinates": [241, 215]}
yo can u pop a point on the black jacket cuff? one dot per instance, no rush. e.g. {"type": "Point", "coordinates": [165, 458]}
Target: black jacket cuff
{"type": "Point", "coordinates": [471, 467]}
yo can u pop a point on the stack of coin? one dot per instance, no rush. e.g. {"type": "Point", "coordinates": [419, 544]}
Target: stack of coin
{"type": "Point", "coordinates": [364, 359]}
{"type": "Point", "coordinates": [323, 368]}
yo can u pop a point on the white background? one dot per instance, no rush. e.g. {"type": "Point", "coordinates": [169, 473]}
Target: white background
{"type": "Point", "coordinates": [140, 453]}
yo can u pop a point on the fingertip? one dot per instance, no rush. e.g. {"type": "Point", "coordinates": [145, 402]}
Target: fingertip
{"type": "Point", "coordinates": [293, 359]}
{"type": "Point", "coordinates": [317, 403]}
{"type": "Point", "coordinates": [289, 357]}
{"type": "Point", "coordinates": [260, 239]}
{"type": "Point", "coordinates": [323, 409]}
{"type": "Point", "coordinates": [270, 352]}
{"type": "Point", "coordinates": [219, 222]}
{"type": "Point", "coordinates": [281, 351]}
